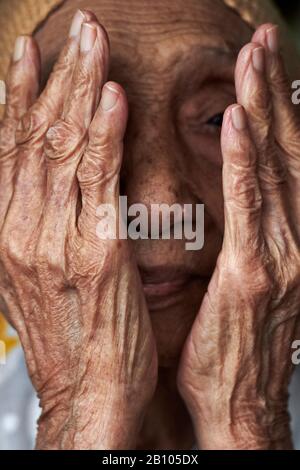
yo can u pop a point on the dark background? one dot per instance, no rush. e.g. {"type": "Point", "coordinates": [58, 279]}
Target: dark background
{"type": "Point", "coordinates": [289, 8]}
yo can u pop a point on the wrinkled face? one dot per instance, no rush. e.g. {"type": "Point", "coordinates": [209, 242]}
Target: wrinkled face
{"type": "Point", "coordinates": [176, 62]}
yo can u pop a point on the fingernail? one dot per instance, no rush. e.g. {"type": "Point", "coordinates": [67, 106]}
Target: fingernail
{"type": "Point", "coordinates": [87, 37]}
{"type": "Point", "coordinates": [19, 48]}
{"type": "Point", "coordinates": [239, 119]}
{"type": "Point", "coordinates": [77, 21]}
{"type": "Point", "coordinates": [273, 39]}
{"type": "Point", "coordinates": [109, 97]}
{"type": "Point", "coordinates": [258, 59]}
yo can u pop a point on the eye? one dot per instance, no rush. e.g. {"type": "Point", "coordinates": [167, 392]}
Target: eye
{"type": "Point", "coordinates": [216, 120]}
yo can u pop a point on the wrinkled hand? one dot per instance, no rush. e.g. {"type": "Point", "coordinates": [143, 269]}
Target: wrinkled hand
{"type": "Point", "coordinates": [236, 364]}
{"type": "Point", "coordinates": [75, 300]}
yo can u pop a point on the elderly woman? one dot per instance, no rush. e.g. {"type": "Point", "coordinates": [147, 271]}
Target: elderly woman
{"type": "Point", "coordinates": [144, 344]}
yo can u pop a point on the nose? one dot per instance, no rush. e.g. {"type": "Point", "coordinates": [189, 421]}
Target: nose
{"type": "Point", "coordinates": [151, 174]}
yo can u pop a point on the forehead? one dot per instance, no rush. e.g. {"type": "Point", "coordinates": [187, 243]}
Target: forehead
{"type": "Point", "coordinates": [147, 17]}
{"type": "Point", "coordinates": [153, 32]}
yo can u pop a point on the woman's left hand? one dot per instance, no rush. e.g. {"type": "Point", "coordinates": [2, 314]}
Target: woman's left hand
{"type": "Point", "coordinates": [236, 365]}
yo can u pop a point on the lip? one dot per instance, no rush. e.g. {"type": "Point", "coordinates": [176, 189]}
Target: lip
{"type": "Point", "coordinates": [163, 289]}
{"type": "Point", "coordinates": [165, 285]}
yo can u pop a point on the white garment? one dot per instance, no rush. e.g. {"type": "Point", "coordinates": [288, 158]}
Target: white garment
{"type": "Point", "coordinates": [19, 408]}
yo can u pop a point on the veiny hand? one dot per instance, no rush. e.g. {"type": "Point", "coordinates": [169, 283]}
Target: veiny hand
{"type": "Point", "coordinates": [236, 364]}
{"type": "Point", "coordinates": [75, 300]}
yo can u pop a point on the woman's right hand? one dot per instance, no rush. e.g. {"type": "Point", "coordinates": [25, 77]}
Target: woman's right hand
{"type": "Point", "coordinates": [76, 301]}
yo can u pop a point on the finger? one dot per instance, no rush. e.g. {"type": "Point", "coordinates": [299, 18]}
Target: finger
{"type": "Point", "coordinates": [49, 105]}
{"type": "Point", "coordinates": [22, 89]}
{"type": "Point", "coordinates": [242, 196]}
{"type": "Point", "coordinates": [57, 89]}
{"type": "Point", "coordinates": [67, 138]}
{"type": "Point", "coordinates": [30, 180]}
{"type": "Point", "coordinates": [89, 76]}
{"type": "Point", "coordinates": [23, 77]}
{"type": "Point", "coordinates": [98, 172]}
{"type": "Point", "coordinates": [286, 120]}
{"type": "Point", "coordinates": [34, 125]}
{"type": "Point", "coordinates": [254, 95]}
{"type": "Point", "coordinates": [286, 123]}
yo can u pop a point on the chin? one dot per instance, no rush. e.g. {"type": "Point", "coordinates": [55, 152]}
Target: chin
{"type": "Point", "coordinates": [172, 317]}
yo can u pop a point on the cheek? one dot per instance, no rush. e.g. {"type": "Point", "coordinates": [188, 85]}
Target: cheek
{"type": "Point", "coordinates": [205, 166]}
{"type": "Point", "coordinates": [204, 147]}
{"type": "Point", "coordinates": [199, 121]}
{"type": "Point", "coordinates": [201, 167]}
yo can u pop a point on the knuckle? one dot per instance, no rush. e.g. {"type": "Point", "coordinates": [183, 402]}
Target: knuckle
{"type": "Point", "coordinates": [94, 261]}
{"type": "Point", "coordinates": [260, 108]}
{"type": "Point", "coordinates": [7, 136]}
{"type": "Point", "coordinates": [32, 126]}
{"type": "Point", "coordinates": [101, 162]}
{"type": "Point", "coordinates": [64, 63]}
{"type": "Point", "coordinates": [101, 137]}
{"type": "Point", "coordinates": [11, 251]}
{"type": "Point", "coordinates": [245, 193]}
{"type": "Point", "coordinates": [247, 268]}
{"type": "Point", "coordinates": [240, 146]}
{"type": "Point", "coordinates": [84, 81]}
{"type": "Point", "coordinates": [63, 140]}
{"type": "Point", "coordinates": [48, 266]}
{"type": "Point", "coordinates": [49, 259]}
{"type": "Point", "coordinates": [249, 273]}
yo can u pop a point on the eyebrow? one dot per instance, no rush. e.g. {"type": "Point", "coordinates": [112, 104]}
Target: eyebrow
{"type": "Point", "coordinates": [227, 53]}
{"type": "Point", "coordinates": [223, 56]}
{"type": "Point", "coordinates": [214, 59]}
{"type": "Point", "coordinates": [193, 73]}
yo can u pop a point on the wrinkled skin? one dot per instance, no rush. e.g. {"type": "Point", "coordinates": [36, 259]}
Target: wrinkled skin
{"type": "Point", "coordinates": [84, 314]}
{"type": "Point", "coordinates": [244, 363]}
{"type": "Point", "coordinates": [78, 303]}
